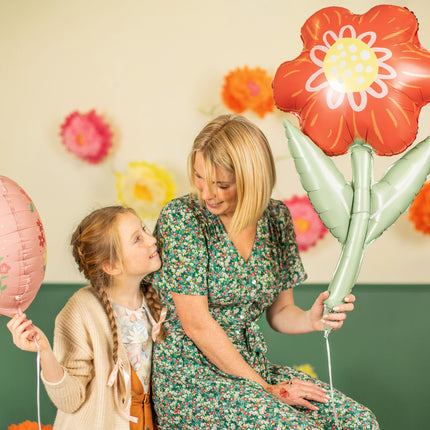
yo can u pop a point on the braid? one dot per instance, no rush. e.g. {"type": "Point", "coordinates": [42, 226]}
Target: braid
{"type": "Point", "coordinates": [112, 320]}
{"type": "Point", "coordinates": [154, 303]}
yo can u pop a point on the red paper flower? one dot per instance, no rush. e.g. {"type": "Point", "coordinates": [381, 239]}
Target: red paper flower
{"type": "Point", "coordinates": [87, 136]}
{"type": "Point", "coordinates": [307, 224]}
{"type": "Point", "coordinates": [419, 212]}
{"type": "Point", "coordinates": [248, 89]}
{"type": "Point", "coordinates": [28, 425]}
{"type": "Point", "coordinates": [358, 76]}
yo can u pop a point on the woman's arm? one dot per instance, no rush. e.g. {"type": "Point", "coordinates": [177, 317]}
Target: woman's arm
{"type": "Point", "coordinates": [214, 343]}
{"type": "Point", "coordinates": [23, 334]}
{"type": "Point", "coordinates": [284, 316]}
{"type": "Point", "coordinates": [210, 338]}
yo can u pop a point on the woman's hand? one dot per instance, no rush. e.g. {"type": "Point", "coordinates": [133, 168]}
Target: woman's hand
{"type": "Point", "coordinates": [333, 320]}
{"type": "Point", "coordinates": [24, 333]}
{"type": "Point", "coordinates": [300, 393]}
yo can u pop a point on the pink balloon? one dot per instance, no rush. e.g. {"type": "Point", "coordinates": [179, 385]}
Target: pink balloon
{"type": "Point", "coordinates": [22, 249]}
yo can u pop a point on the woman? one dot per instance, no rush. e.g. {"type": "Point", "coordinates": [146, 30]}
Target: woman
{"type": "Point", "coordinates": [229, 253]}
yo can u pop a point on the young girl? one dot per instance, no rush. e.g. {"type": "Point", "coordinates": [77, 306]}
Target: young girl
{"type": "Point", "coordinates": [98, 374]}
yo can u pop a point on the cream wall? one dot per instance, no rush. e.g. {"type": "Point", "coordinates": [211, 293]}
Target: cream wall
{"type": "Point", "coordinates": [150, 68]}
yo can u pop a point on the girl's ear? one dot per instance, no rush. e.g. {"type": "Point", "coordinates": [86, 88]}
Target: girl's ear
{"type": "Point", "coordinates": [110, 268]}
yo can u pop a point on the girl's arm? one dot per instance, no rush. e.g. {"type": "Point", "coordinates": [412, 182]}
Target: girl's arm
{"type": "Point", "coordinates": [285, 317]}
{"type": "Point", "coordinates": [213, 342]}
{"type": "Point", "coordinates": [23, 334]}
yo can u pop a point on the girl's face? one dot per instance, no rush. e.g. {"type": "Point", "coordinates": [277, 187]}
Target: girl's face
{"type": "Point", "coordinates": [138, 247]}
{"type": "Point", "coordinates": [222, 200]}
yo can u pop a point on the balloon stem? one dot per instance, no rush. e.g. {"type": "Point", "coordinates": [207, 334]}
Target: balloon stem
{"type": "Point", "coordinates": [336, 420]}
{"type": "Point", "coordinates": [349, 264]}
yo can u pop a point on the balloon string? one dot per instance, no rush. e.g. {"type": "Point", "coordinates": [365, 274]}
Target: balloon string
{"type": "Point", "coordinates": [336, 420]}
{"type": "Point", "coordinates": [38, 382]}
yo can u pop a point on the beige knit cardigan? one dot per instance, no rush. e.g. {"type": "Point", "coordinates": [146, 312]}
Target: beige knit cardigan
{"type": "Point", "coordinates": [83, 346]}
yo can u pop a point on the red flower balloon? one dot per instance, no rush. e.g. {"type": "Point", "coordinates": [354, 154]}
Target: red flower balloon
{"type": "Point", "coordinates": [358, 77]}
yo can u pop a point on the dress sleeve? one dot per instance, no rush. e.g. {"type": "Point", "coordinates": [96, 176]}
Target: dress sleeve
{"type": "Point", "coordinates": [183, 248]}
{"type": "Point", "coordinates": [292, 270]}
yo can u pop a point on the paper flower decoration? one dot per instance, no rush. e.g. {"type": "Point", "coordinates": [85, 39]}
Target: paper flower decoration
{"type": "Point", "coordinates": [307, 368]}
{"type": "Point", "coordinates": [28, 425]}
{"type": "Point", "coordinates": [307, 224]}
{"type": "Point", "coordinates": [358, 77]}
{"type": "Point", "coordinates": [145, 187]}
{"type": "Point", "coordinates": [87, 136]}
{"type": "Point", "coordinates": [419, 212]}
{"type": "Point", "coordinates": [246, 88]}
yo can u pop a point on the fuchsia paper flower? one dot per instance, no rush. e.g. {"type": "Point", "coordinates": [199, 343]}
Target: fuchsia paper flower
{"type": "Point", "coordinates": [87, 136]}
{"type": "Point", "coordinates": [358, 77]}
{"type": "Point", "coordinates": [307, 224]}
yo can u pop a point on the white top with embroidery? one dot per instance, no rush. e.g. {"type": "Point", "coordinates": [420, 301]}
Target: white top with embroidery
{"type": "Point", "coordinates": [135, 329]}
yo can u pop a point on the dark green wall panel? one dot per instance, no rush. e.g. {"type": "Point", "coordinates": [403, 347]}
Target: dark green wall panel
{"type": "Point", "coordinates": [379, 358]}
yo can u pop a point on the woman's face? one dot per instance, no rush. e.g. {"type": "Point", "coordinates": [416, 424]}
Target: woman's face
{"type": "Point", "coordinates": [222, 200]}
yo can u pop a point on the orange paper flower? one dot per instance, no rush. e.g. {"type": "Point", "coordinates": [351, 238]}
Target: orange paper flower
{"type": "Point", "coordinates": [246, 88]}
{"type": "Point", "coordinates": [28, 425]}
{"type": "Point", "coordinates": [419, 212]}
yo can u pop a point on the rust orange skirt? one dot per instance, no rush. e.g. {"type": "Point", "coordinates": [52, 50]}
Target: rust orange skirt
{"type": "Point", "coordinates": [141, 406]}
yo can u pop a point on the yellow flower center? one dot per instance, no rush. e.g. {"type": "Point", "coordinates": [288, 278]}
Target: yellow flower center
{"type": "Point", "coordinates": [142, 192]}
{"type": "Point", "coordinates": [301, 224]}
{"type": "Point", "coordinates": [80, 140]}
{"type": "Point", "coordinates": [350, 65]}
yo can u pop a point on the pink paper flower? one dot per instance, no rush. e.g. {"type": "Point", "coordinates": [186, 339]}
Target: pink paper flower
{"type": "Point", "coordinates": [307, 224]}
{"type": "Point", "coordinates": [87, 136]}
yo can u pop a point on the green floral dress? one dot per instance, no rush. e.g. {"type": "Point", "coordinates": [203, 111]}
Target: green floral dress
{"type": "Point", "coordinates": [199, 259]}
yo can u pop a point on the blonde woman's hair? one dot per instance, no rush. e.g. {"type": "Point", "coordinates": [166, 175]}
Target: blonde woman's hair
{"type": "Point", "coordinates": [240, 147]}
{"type": "Point", "coordinates": [95, 242]}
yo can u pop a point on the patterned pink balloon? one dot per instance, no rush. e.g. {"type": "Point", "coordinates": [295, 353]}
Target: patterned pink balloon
{"type": "Point", "coordinates": [22, 249]}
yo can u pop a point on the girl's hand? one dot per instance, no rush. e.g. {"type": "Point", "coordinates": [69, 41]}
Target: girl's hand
{"type": "Point", "coordinates": [297, 392]}
{"type": "Point", "coordinates": [24, 333]}
{"type": "Point", "coordinates": [333, 320]}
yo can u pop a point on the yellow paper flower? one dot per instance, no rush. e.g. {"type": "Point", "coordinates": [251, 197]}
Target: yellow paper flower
{"type": "Point", "coordinates": [145, 187]}
{"type": "Point", "coordinates": [307, 368]}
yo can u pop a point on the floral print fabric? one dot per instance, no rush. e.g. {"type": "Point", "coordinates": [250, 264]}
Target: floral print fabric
{"type": "Point", "coordinates": [135, 328]}
{"type": "Point", "coordinates": [200, 259]}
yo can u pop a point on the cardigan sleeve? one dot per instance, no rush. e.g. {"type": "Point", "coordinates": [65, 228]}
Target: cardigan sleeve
{"type": "Point", "coordinates": [73, 349]}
